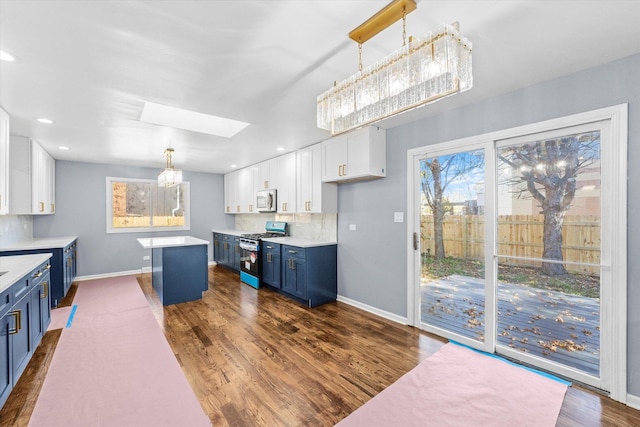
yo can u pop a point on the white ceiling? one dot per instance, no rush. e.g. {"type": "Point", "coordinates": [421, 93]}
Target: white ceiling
{"type": "Point", "coordinates": [90, 65]}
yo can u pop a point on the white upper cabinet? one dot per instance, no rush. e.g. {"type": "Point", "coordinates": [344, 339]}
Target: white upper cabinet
{"type": "Point", "coordinates": [285, 182]}
{"type": "Point", "coordinates": [32, 175]}
{"type": "Point", "coordinates": [265, 175]}
{"type": "Point", "coordinates": [230, 186]}
{"type": "Point", "coordinates": [357, 155]}
{"type": "Point", "coordinates": [313, 195]}
{"type": "Point", "coordinates": [4, 162]}
{"type": "Point", "coordinates": [246, 193]}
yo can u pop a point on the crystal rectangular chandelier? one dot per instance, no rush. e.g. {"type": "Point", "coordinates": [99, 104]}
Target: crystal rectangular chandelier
{"type": "Point", "coordinates": [169, 176]}
{"type": "Point", "coordinates": [422, 71]}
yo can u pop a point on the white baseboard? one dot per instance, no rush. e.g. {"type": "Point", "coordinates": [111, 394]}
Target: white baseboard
{"type": "Point", "coordinates": [120, 273]}
{"type": "Point", "coordinates": [633, 401]}
{"type": "Point", "coordinates": [373, 310]}
{"type": "Point", "coordinates": [106, 275]}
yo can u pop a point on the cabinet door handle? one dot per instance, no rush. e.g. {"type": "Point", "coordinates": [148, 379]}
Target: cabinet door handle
{"type": "Point", "coordinates": [228, 209]}
{"type": "Point", "coordinates": [344, 170]}
{"type": "Point", "coordinates": [41, 206]}
{"type": "Point", "coordinates": [339, 170]}
{"type": "Point", "coordinates": [53, 207]}
{"type": "Point", "coordinates": [45, 291]}
{"type": "Point", "coordinates": [266, 185]}
{"type": "Point", "coordinates": [293, 264]}
{"type": "Point", "coordinates": [18, 316]}
{"type": "Point", "coordinates": [238, 208]}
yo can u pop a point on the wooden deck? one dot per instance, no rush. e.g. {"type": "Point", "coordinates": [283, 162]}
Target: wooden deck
{"type": "Point", "coordinates": [556, 326]}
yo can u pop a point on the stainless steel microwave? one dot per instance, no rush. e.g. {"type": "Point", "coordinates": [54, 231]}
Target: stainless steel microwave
{"type": "Point", "coordinates": [266, 201]}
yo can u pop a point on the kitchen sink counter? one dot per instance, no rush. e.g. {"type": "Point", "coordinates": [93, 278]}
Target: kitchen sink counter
{"type": "Point", "coordinates": [13, 268]}
{"type": "Point", "coordinates": [37, 243]}
{"type": "Point", "coordinates": [295, 241]}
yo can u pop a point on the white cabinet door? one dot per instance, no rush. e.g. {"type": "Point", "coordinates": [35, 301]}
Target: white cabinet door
{"type": "Point", "coordinates": [285, 183]}
{"type": "Point", "coordinates": [4, 162]}
{"type": "Point", "coordinates": [31, 178]}
{"type": "Point", "coordinates": [230, 188]}
{"type": "Point", "coordinates": [358, 155]}
{"type": "Point", "coordinates": [246, 193]}
{"type": "Point", "coordinates": [314, 196]}
{"type": "Point", "coordinates": [266, 174]}
{"type": "Point", "coordinates": [334, 153]}
{"type": "Point", "coordinates": [40, 185]}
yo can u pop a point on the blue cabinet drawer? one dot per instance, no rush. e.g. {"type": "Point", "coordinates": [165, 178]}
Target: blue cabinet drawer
{"type": "Point", "coordinates": [293, 251]}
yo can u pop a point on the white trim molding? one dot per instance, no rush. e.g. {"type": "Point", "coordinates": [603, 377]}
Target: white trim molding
{"type": "Point", "coordinates": [107, 275]}
{"type": "Point", "coordinates": [373, 310]}
{"type": "Point", "coordinates": [633, 401]}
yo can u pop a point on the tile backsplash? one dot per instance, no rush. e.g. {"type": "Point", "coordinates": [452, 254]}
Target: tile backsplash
{"type": "Point", "coordinates": [14, 228]}
{"type": "Point", "coordinates": [303, 226]}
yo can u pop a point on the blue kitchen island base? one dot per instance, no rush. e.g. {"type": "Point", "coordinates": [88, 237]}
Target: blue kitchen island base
{"type": "Point", "coordinates": [179, 268]}
{"type": "Point", "coordinates": [179, 274]}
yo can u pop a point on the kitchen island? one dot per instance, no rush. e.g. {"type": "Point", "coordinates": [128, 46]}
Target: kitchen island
{"type": "Point", "coordinates": [178, 267]}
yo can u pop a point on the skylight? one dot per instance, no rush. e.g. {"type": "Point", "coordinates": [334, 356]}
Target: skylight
{"type": "Point", "coordinates": [163, 115]}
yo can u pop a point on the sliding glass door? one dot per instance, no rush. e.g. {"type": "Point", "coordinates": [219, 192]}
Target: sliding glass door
{"type": "Point", "coordinates": [452, 229]}
{"type": "Point", "coordinates": [518, 241]}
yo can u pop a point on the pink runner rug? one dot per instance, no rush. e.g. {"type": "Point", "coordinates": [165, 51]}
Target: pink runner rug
{"type": "Point", "coordinates": [458, 387]}
{"type": "Point", "coordinates": [114, 367]}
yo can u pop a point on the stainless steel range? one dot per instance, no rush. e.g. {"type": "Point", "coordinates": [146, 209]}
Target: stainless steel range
{"type": "Point", "coordinates": [250, 252]}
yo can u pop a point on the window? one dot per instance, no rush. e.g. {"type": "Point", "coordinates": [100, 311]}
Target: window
{"type": "Point", "coordinates": [137, 205]}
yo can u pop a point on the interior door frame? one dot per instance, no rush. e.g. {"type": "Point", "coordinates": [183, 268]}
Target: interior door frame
{"type": "Point", "coordinates": [616, 369]}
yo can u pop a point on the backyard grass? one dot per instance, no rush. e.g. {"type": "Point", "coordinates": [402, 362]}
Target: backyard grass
{"type": "Point", "coordinates": [572, 283]}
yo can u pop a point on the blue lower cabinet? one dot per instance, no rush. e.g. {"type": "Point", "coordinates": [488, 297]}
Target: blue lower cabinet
{"type": "Point", "coordinates": [64, 268]}
{"type": "Point", "coordinates": [271, 264]}
{"type": "Point", "coordinates": [24, 318]}
{"type": "Point", "coordinates": [310, 274]}
{"type": "Point", "coordinates": [179, 273]}
{"type": "Point", "coordinates": [226, 250]}
{"type": "Point", "coordinates": [6, 357]}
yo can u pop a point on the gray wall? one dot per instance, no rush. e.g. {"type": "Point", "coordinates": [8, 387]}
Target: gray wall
{"type": "Point", "coordinates": [81, 211]}
{"type": "Point", "coordinates": [372, 259]}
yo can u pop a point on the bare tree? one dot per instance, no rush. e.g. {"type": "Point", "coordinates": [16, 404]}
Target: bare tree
{"type": "Point", "coordinates": [547, 170]}
{"type": "Point", "coordinates": [436, 174]}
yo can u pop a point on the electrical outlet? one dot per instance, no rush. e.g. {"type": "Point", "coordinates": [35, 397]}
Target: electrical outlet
{"type": "Point", "coordinates": [146, 258]}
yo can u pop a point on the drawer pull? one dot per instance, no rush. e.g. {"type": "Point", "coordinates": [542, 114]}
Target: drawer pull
{"type": "Point", "coordinates": [36, 275]}
{"type": "Point", "coordinates": [292, 252]}
{"type": "Point", "coordinates": [18, 316]}
{"type": "Point", "coordinates": [47, 267]}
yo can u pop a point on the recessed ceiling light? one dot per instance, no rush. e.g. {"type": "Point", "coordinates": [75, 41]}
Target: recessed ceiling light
{"type": "Point", "coordinates": [44, 120]}
{"type": "Point", "coordinates": [234, 166]}
{"type": "Point", "coordinates": [62, 147]}
{"type": "Point", "coordinates": [163, 115]}
{"type": "Point", "coordinates": [6, 56]}
{"type": "Point", "coordinates": [280, 148]}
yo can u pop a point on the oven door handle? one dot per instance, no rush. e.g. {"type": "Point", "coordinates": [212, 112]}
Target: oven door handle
{"type": "Point", "coordinates": [248, 246]}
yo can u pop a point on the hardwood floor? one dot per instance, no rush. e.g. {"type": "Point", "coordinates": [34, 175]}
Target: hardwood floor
{"type": "Point", "coordinates": [257, 358]}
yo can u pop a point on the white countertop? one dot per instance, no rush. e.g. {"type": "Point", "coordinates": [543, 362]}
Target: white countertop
{"type": "Point", "coordinates": [17, 266]}
{"type": "Point", "coordinates": [164, 242]}
{"type": "Point", "coordinates": [38, 243]}
{"type": "Point", "coordinates": [301, 243]}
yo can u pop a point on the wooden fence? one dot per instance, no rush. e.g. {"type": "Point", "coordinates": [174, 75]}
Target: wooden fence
{"type": "Point", "coordinates": [518, 235]}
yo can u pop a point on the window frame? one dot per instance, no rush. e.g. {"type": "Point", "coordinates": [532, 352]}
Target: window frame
{"type": "Point", "coordinates": [109, 208]}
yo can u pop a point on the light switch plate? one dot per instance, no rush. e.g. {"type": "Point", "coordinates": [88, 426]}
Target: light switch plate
{"type": "Point", "coordinates": [398, 217]}
{"type": "Point", "coordinates": [352, 227]}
